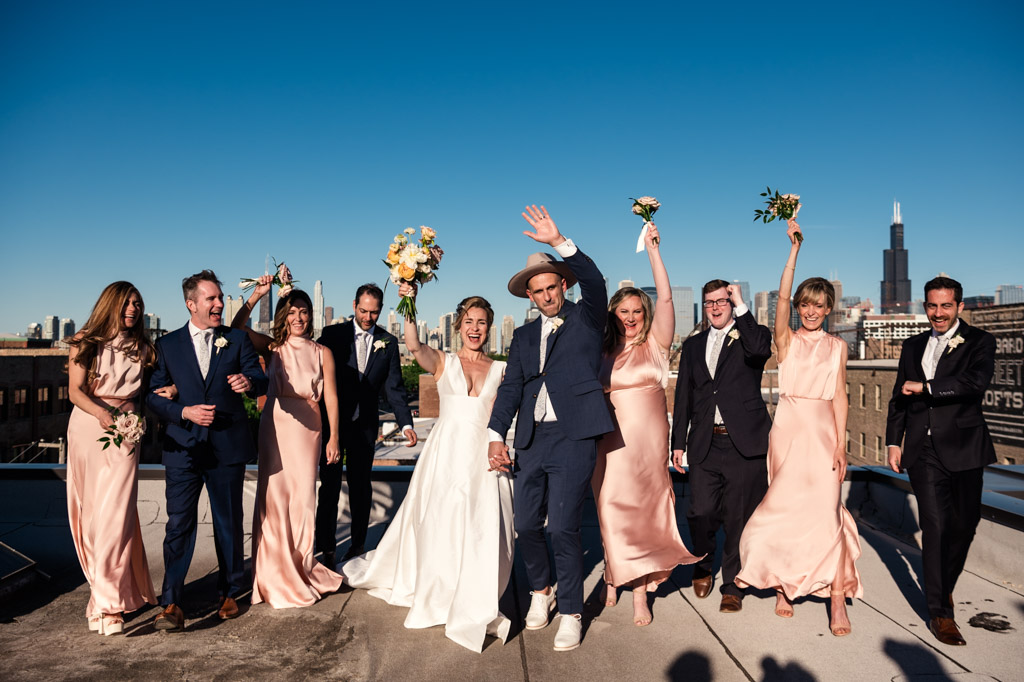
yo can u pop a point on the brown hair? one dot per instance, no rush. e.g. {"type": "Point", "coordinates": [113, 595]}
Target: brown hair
{"type": "Point", "coordinates": [611, 332]}
{"type": "Point", "coordinates": [469, 303]}
{"type": "Point", "coordinates": [191, 283]}
{"type": "Point", "coordinates": [943, 282]}
{"type": "Point", "coordinates": [713, 285]}
{"type": "Point", "coordinates": [279, 330]}
{"type": "Point", "coordinates": [813, 290]}
{"type": "Point", "coordinates": [104, 324]}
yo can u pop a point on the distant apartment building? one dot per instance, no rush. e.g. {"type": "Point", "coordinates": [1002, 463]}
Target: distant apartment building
{"type": "Point", "coordinates": [493, 339]}
{"type": "Point", "coordinates": [508, 327]}
{"type": "Point", "coordinates": [328, 315]}
{"type": "Point", "coordinates": [34, 331]}
{"type": "Point", "coordinates": [318, 308]}
{"type": "Point", "coordinates": [682, 303]}
{"type": "Point", "coordinates": [51, 328]}
{"type": "Point", "coordinates": [1009, 293]}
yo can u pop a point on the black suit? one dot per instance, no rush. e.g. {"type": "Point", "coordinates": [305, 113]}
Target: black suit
{"type": "Point", "coordinates": [728, 473]}
{"type": "Point", "coordinates": [946, 446]}
{"type": "Point", "coordinates": [358, 436]}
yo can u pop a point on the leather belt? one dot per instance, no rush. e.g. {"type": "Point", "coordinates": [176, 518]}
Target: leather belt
{"type": "Point", "coordinates": [719, 430]}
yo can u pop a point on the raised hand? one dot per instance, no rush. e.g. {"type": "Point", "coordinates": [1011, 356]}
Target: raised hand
{"type": "Point", "coordinates": [735, 295]}
{"type": "Point", "coordinates": [651, 238]}
{"type": "Point", "coordinates": [262, 288]}
{"type": "Point", "coordinates": [406, 289]}
{"type": "Point", "coordinates": [546, 232]}
{"type": "Point", "coordinates": [793, 231]}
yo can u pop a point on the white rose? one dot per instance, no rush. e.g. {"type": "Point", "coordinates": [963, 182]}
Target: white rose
{"type": "Point", "coordinates": [220, 342]}
{"type": "Point", "coordinates": [409, 230]}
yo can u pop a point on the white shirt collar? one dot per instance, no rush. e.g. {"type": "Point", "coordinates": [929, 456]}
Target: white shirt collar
{"type": "Point", "coordinates": [949, 333]}
{"type": "Point", "coordinates": [194, 331]}
{"type": "Point", "coordinates": [724, 330]}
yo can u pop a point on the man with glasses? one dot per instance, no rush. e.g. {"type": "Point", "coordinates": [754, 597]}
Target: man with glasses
{"type": "Point", "coordinates": [720, 428]}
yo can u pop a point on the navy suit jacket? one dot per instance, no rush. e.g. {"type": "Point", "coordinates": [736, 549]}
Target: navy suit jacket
{"type": "Point", "coordinates": [952, 409]}
{"type": "Point", "coordinates": [228, 435]}
{"type": "Point", "coordinates": [383, 374]}
{"type": "Point", "coordinates": [571, 368]}
{"type": "Point", "coordinates": [736, 390]}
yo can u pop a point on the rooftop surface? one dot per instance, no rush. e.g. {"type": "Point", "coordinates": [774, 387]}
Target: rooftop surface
{"type": "Point", "coordinates": [352, 636]}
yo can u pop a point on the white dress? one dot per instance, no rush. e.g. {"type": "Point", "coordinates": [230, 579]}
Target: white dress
{"type": "Point", "coordinates": [447, 554]}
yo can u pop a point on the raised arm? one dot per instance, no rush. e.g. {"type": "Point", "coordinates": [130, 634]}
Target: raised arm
{"type": "Point", "coordinates": [663, 326]}
{"type": "Point", "coordinates": [261, 342]}
{"type": "Point", "coordinates": [784, 306]}
{"type": "Point", "coordinates": [429, 358]}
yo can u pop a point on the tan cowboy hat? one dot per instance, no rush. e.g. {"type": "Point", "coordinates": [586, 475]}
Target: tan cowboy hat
{"type": "Point", "coordinates": [536, 264]}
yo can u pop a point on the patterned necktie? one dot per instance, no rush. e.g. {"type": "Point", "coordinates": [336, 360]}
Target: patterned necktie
{"type": "Point", "coordinates": [204, 351]}
{"type": "Point", "coordinates": [542, 395]}
{"type": "Point", "coordinates": [361, 353]}
{"type": "Point", "coordinates": [716, 350]}
{"type": "Point", "coordinates": [940, 345]}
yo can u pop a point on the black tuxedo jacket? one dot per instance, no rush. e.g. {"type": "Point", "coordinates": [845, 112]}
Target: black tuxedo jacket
{"type": "Point", "coordinates": [383, 374]}
{"type": "Point", "coordinates": [952, 408]}
{"type": "Point", "coordinates": [736, 390]}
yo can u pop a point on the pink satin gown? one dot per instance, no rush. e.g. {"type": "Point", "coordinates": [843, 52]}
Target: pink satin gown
{"type": "Point", "coordinates": [283, 571]}
{"type": "Point", "coordinates": [795, 537]}
{"type": "Point", "coordinates": [632, 485]}
{"type": "Point", "coordinates": [103, 494]}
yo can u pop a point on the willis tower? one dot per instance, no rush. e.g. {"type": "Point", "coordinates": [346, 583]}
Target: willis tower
{"type": "Point", "coordinates": [895, 282]}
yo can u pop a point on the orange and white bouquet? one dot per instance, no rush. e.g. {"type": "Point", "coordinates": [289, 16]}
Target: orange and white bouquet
{"type": "Point", "coordinates": [282, 278]}
{"type": "Point", "coordinates": [128, 427]}
{"type": "Point", "coordinates": [781, 206]}
{"type": "Point", "coordinates": [413, 261]}
{"type": "Point", "coordinates": [645, 207]}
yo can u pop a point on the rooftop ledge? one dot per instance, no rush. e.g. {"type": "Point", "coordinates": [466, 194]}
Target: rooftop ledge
{"type": "Point", "coordinates": [352, 636]}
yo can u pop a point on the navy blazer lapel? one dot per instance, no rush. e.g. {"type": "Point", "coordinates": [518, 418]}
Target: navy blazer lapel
{"type": "Point", "coordinates": [215, 354]}
{"type": "Point", "coordinates": [188, 351]}
{"type": "Point", "coordinates": [919, 349]}
{"type": "Point", "coordinates": [556, 332]}
{"type": "Point", "coordinates": [372, 352]}
{"type": "Point", "coordinates": [963, 330]}
{"type": "Point", "coordinates": [353, 358]}
{"type": "Point", "coordinates": [533, 341]}
{"type": "Point", "coordinates": [702, 353]}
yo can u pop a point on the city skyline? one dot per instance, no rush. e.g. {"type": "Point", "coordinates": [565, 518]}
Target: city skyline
{"type": "Point", "coordinates": [147, 143]}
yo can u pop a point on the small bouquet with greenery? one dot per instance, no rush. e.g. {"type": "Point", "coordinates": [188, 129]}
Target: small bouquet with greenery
{"type": "Point", "coordinates": [645, 207]}
{"type": "Point", "coordinates": [128, 427]}
{"type": "Point", "coordinates": [282, 278]}
{"type": "Point", "coordinates": [782, 206]}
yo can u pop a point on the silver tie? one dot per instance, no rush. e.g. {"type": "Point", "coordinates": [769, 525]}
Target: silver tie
{"type": "Point", "coordinates": [940, 345]}
{"type": "Point", "coordinates": [716, 350]}
{"type": "Point", "coordinates": [361, 351]}
{"type": "Point", "coordinates": [204, 351]}
{"type": "Point", "coordinates": [542, 395]}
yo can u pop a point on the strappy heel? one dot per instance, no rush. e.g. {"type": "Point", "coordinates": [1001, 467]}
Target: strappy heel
{"type": "Point", "coordinates": [840, 630]}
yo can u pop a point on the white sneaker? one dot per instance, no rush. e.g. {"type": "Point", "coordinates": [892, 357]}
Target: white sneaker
{"type": "Point", "coordinates": [570, 630]}
{"type": "Point", "coordinates": [540, 610]}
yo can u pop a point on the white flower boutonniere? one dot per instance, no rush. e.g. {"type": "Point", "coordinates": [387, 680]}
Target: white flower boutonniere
{"type": "Point", "coordinates": [221, 342]}
{"type": "Point", "coordinates": [556, 322]}
{"type": "Point", "coordinates": [733, 335]}
{"type": "Point", "coordinates": [953, 343]}
{"type": "Point", "coordinates": [380, 344]}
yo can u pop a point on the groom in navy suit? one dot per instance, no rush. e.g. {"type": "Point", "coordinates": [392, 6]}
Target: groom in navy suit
{"type": "Point", "coordinates": [551, 382]}
{"type": "Point", "coordinates": [207, 442]}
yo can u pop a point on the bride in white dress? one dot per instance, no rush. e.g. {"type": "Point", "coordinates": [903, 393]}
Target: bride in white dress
{"type": "Point", "coordinates": [447, 554]}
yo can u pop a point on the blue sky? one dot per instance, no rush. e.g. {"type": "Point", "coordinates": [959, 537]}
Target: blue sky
{"type": "Point", "coordinates": [145, 141]}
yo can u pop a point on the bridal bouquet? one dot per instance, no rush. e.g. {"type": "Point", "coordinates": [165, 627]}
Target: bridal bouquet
{"type": "Point", "coordinates": [413, 261]}
{"type": "Point", "coordinates": [282, 278]}
{"type": "Point", "coordinates": [127, 427]}
{"type": "Point", "coordinates": [782, 206]}
{"type": "Point", "coordinates": [645, 207]}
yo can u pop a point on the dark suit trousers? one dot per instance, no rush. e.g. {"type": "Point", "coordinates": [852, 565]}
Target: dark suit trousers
{"type": "Point", "coordinates": [949, 508]}
{"type": "Point", "coordinates": [725, 489]}
{"type": "Point", "coordinates": [357, 445]}
{"type": "Point", "coordinates": [224, 488]}
{"type": "Point", "coordinates": [552, 482]}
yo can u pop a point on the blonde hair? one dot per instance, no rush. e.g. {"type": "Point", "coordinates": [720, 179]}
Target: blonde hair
{"type": "Point", "coordinates": [104, 324]}
{"type": "Point", "coordinates": [813, 290]}
{"type": "Point", "coordinates": [468, 304]}
{"type": "Point", "coordinates": [611, 332]}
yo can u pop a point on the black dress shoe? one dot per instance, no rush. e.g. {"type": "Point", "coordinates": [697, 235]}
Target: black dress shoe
{"type": "Point", "coordinates": [946, 631]}
{"type": "Point", "coordinates": [353, 552]}
{"type": "Point", "coordinates": [702, 586]}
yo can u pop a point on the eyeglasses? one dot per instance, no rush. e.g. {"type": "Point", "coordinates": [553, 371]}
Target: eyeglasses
{"type": "Point", "coordinates": [721, 303]}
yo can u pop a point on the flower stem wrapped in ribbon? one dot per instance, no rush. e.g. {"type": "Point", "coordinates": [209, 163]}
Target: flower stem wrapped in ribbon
{"type": "Point", "coordinates": [782, 206]}
{"type": "Point", "coordinates": [413, 261]}
{"type": "Point", "coordinates": [645, 207]}
{"type": "Point", "coordinates": [282, 278]}
{"type": "Point", "coordinates": [128, 427]}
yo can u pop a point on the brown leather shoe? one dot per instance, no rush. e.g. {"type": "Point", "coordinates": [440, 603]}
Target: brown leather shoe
{"type": "Point", "coordinates": [731, 604]}
{"type": "Point", "coordinates": [171, 619]}
{"type": "Point", "coordinates": [702, 586]}
{"type": "Point", "coordinates": [228, 609]}
{"type": "Point", "coordinates": [946, 631]}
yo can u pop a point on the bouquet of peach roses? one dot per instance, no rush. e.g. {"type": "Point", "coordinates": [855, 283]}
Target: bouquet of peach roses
{"type": "Point", "coordinates": [413, 261]}
{"type": "Point", "coordinates": [127, 427]}
{"type": "Point", "coordinates": [645, 207]}
{"type": "Point", "coordinates": [282, 278]}
{"type": "Point", "coordinates": [781, 206]}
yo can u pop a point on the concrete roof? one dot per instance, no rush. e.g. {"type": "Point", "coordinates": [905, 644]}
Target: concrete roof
{"type": "Point", "coordinates": [352, 636]}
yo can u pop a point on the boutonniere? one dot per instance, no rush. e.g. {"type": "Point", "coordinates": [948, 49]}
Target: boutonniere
{"type": "Point", "coordinates": [556, 322]}
{"type": "Point", "coordinates": [733, 335]}
{"type": "Point", "coordinates": [954, 342]}
{"type": "Point", "coordinates": [221, 342]}
{"type": "Point", "coordinates": [380, 344]}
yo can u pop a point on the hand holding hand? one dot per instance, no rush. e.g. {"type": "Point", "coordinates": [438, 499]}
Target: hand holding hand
{"type": "Point", "coordinates": [239, 383]}
{"type": "Point", "coordinates": [406, 289]}
{"type": "Point", "coordinates": [333, 450]}
{"type": "Point", "coordinates": [677, 460]}
{"type": "Point", "coordinates": [839, 462]}
{"type": "Point", "coordinates": [410, 437]}
{"type": "Point", "coordinates": [793, 231]}
{"type": "Point", "coordinates": [735, 295]}
{"type": "Point", "coordinates": [497, 457]}
{"type": "Point", "coordinates": [895, 455]}
{"type": "Point", "coordinates": [652, 238]}
{"type": "Point", "coordinates": [546, 231]}
{"type": "Point", "coordinates": [912, 388]}
{"type": "Point", "coordinates": [169, 392]}
{"type": "Point", "coordinates": [200, 414]}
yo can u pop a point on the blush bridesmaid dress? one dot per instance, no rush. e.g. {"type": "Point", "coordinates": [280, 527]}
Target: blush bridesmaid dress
{"type": "Point", "coordinates": [631, 482]}
{"type": "Point", "coordinates": [284, 573]}
{"type": "Point", "coordinates": [795, 537]}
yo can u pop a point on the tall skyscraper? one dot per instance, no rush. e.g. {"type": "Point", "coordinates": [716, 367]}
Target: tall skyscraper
{"type": "Point", "coordinates": [508, 327]}
{"type": "Point", "coordinates": [895, 274]}
{"type": "Point", "coordinates": [421, 331]}
{"type": "Point", "coordinates": [34, 331]}
{"type": "Point", "coordinates": [626, 283]}
{"type": "Point", "coordinates": [231, 308]}
{"type": "Point", "coordinates": [394, 325]}
{"type": "Point", "coordinates": [328, 315]}
{"type": "Point", "coordinates": [152, 320]}
{"type": "Point", "coordinates": [67, 328]}
{"type": "Point", "coordinates": [318, 309]}
{"type": "Point", "coordinates": [492, 339]}
{"type": "Point", "coordinates": [1009, 293]}
{"type": "Point", "coordinates": [682, 301]}
{"type": "Point", "coordinates": [760, 307]}
{"type": "Point", "coordinates": [773, 304]}
{"type": "Point", "coordinates": [51, 327]}
{"type": "Point", "coordinates": [264, 324]}
{"type": "Point", "coordinates": [447, 324]}
{"type": "Point", "coordinates": [532, 313]}
{"type": "Point", "coordinates": [838, 286]}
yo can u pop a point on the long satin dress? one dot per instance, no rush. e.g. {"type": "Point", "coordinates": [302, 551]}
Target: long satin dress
{"type": "Point", "coordinates": [795, 537]}
{"type": "Point", "coordinates": [103, 493]}
{"type": "Point", "coordinates": [447, 554]}
{"type": "Point", "coordinates": [283, 571]}
{"type": "Point", "coordinates": [632, 485]}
